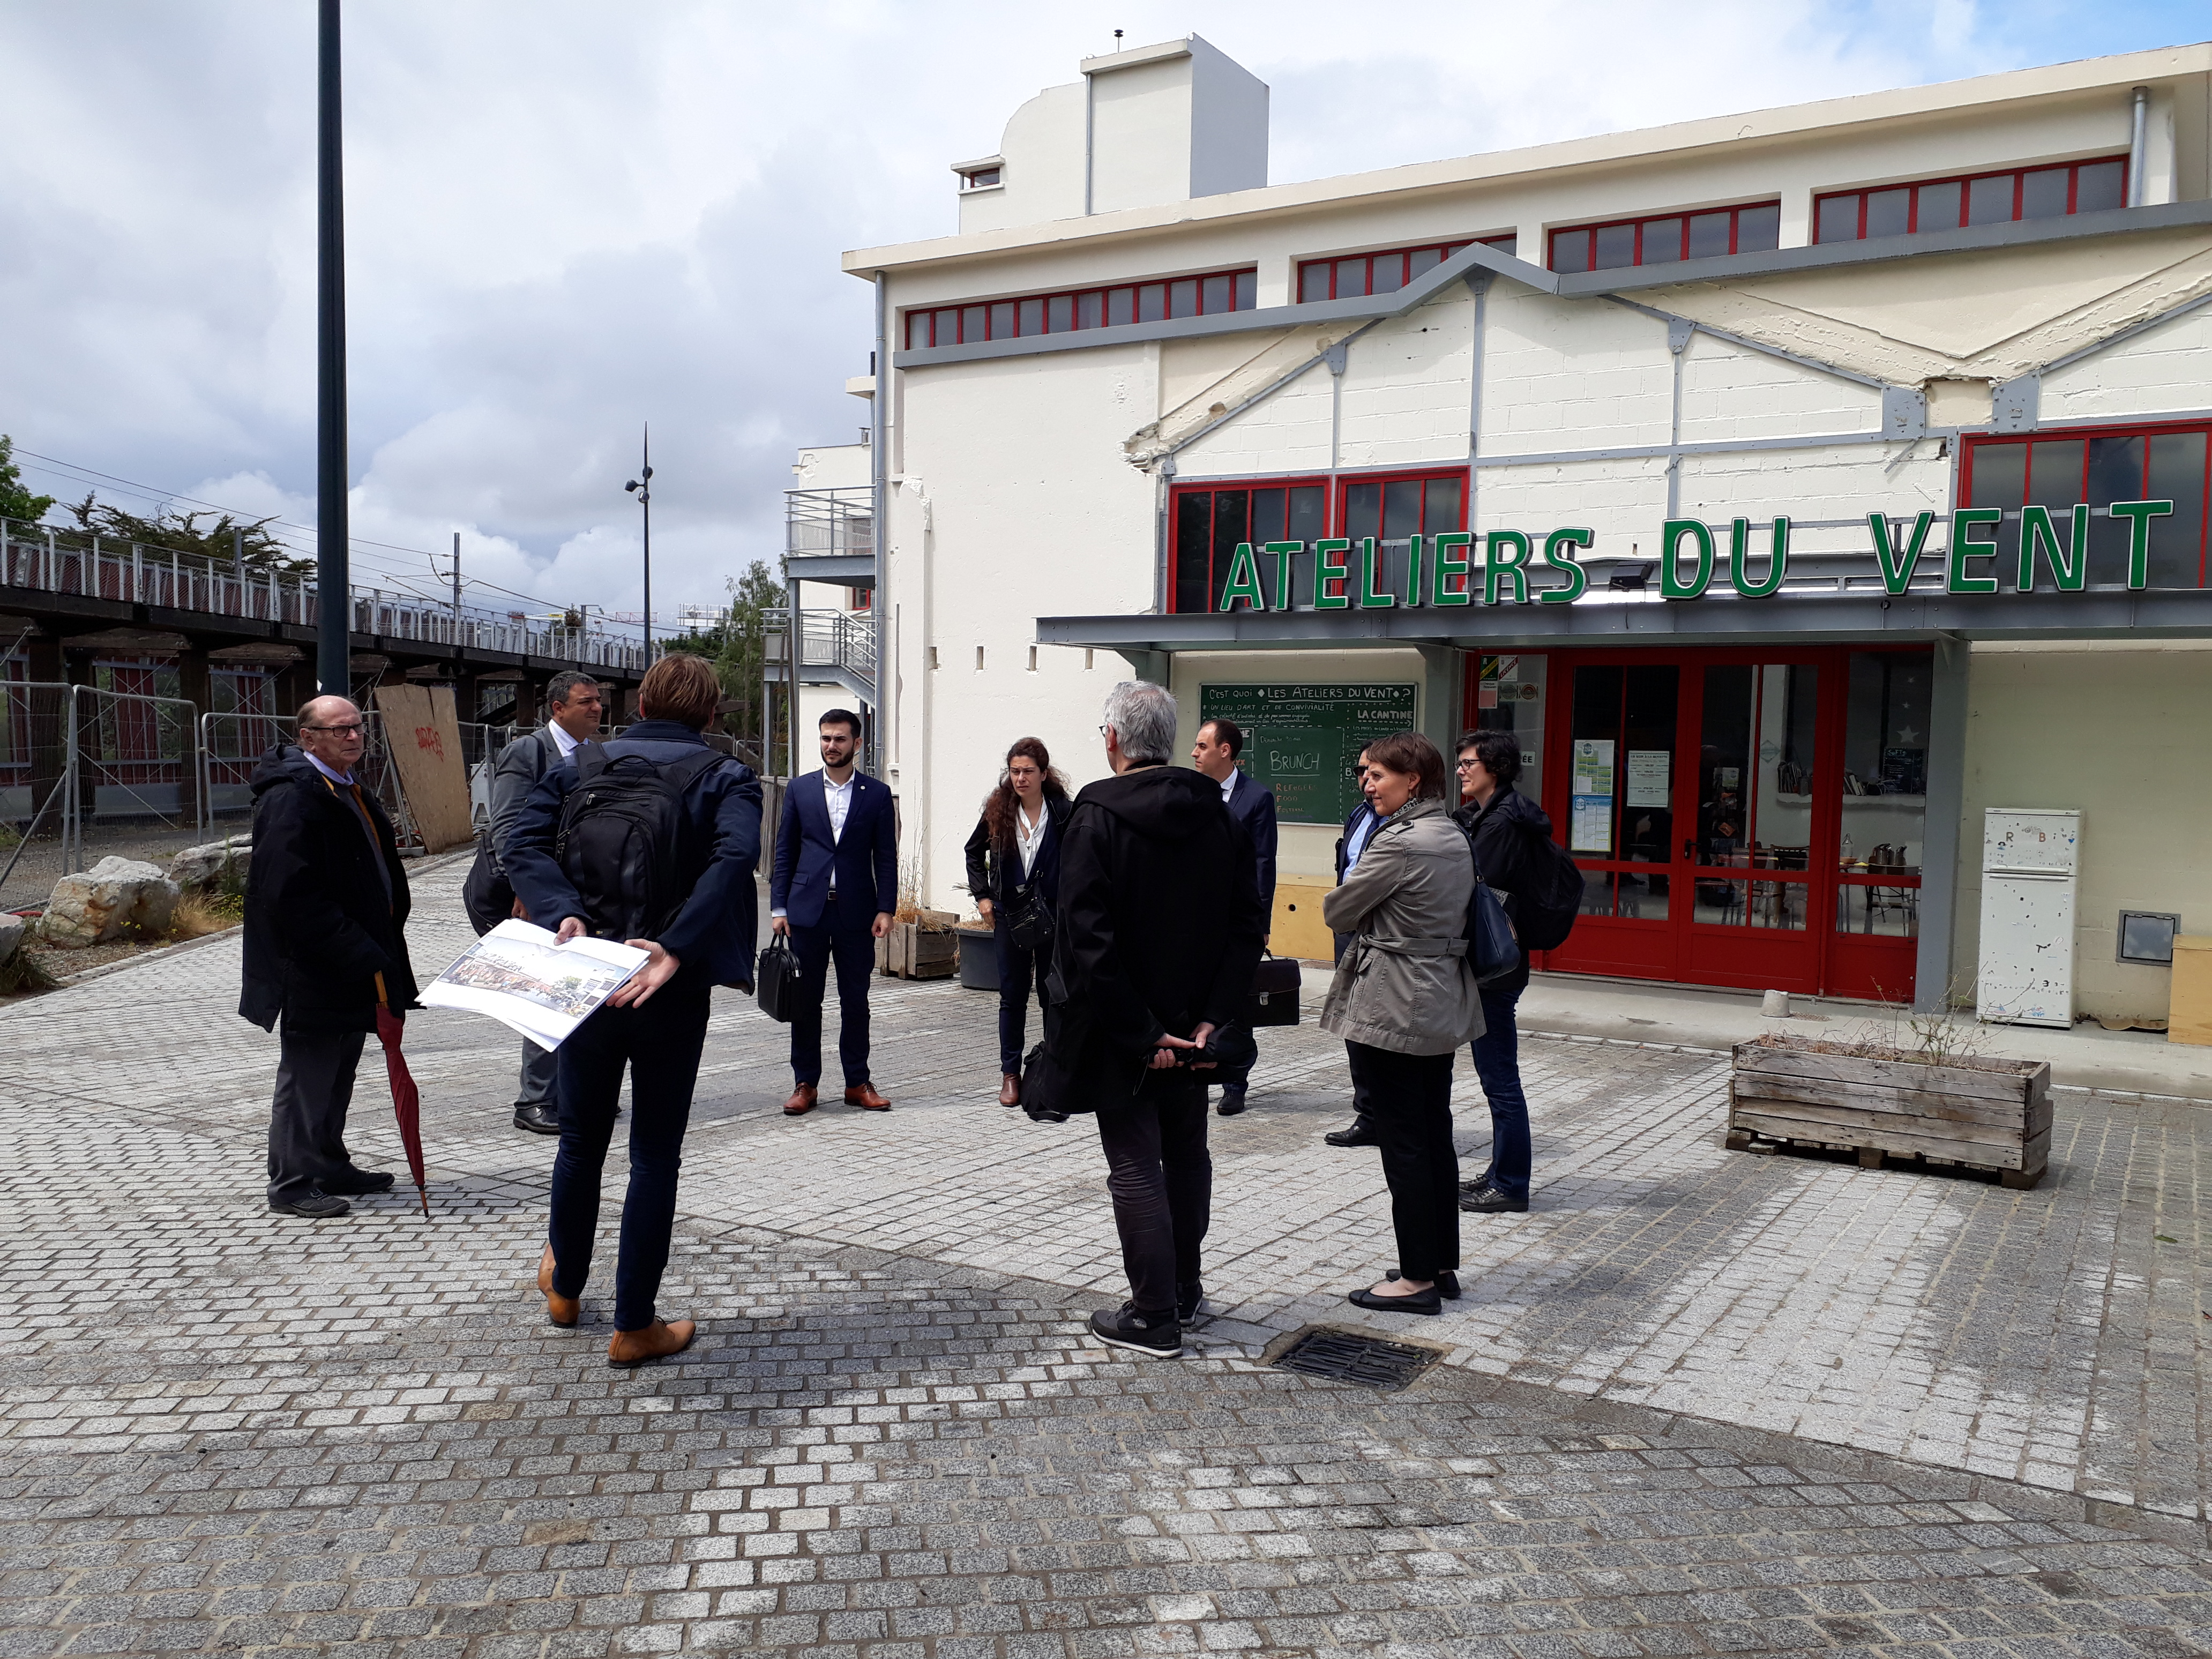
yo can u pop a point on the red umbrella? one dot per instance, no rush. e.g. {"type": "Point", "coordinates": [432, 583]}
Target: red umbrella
{"type": "Point", "coordinates": [406, 1098]}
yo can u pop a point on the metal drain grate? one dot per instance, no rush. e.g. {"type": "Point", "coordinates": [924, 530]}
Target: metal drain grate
{"type": "Point", "coordinates": [1352, 1357]}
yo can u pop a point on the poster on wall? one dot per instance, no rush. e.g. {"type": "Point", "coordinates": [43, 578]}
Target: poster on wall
{"type": "Point", "coordinates": [1648, 776]}
{"type": "Point", "coordinates": [1304, 741]}
{"type": "Point", "coordinates": [1589, 819]}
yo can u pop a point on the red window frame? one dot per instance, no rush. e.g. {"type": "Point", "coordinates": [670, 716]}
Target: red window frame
{"type": "Point", "coordinates": [1336, 495]}
{"type": "Point", "coordinates": [1639, 224]}
{"type": "Point", "coordinates": [1976, 446]}
{"type": "Point", "coordinates": [1964, 183]}
{"type": "Point", "coordinates": [1209, 293]}
{"type": "Point", "coordinates": [1332, 272]}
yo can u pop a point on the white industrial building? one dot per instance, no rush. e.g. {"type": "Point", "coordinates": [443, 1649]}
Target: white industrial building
{"type": "Point", "coordinates": [1511, 439]}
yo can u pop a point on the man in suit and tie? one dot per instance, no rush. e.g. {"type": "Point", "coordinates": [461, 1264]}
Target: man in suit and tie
{"type": "Point", "coordinates": [833, 889]}
{"type": "Point", "coordinates": [1252, 804]}
{"type": "Point", "coordinates": [1360, 1132]}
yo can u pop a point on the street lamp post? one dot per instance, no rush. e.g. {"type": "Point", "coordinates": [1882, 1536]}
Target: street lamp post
{"type": "Point", "coordinates": [643, 485]}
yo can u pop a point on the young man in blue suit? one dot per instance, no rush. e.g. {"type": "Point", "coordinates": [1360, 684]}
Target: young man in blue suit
{"type": "Point", "coordinates": [1251, 804]}
{"type": "Point", "coordinates": [833, 889]}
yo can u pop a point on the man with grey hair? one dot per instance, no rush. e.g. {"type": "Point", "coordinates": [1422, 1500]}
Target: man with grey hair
{"type": "Point", "coordinates": [325, 943]}
{"type": "Point", "coordinates": [1160, 929]}
{"type": "Point", "coordinates": [573, 709]}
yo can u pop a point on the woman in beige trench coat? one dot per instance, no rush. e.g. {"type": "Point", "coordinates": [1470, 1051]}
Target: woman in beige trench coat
{"type": "Point", "coordinates": [1404, 1001]}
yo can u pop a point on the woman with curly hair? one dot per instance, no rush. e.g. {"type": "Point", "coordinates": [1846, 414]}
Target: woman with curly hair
{"type": "Point", "coordinates": [1014, 871]}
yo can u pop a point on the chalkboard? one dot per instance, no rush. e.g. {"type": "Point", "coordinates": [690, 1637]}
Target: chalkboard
{"type": "Point", "coordinates": [1304, 741]}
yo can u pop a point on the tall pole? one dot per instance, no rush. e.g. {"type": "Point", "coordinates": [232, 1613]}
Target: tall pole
{"type": "Point", "coordinates": [645, 501]}
{"type": "Point", "coordinates": [333, 637]}
{"type": "Point", "coordinates": [457, 587]}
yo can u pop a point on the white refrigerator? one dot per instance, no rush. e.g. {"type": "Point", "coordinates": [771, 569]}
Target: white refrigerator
{"type": "Point", "coordinates": [2030, 860]}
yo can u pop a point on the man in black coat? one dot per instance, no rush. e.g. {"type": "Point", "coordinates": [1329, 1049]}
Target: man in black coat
{"type": "Point", "coordinates": [1160, 929]}
{"type": "Point", "coordinates": [326, 910]}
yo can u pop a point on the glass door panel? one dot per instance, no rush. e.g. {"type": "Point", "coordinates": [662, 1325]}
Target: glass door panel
{"type": "Point", "coordinates": [1883, 821]}
{"type": "Point", "coordinates": [1756, 756]}
{"type": "Point", "coordinates": [1615, 792]}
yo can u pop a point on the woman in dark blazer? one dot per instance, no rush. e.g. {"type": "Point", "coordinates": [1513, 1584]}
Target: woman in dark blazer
{"type": "Point", "coordinates": [1013, 860]}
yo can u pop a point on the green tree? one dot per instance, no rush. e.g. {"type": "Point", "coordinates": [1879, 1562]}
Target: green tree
{"type": "Point", "coordinates": [737, 645]}
{"type": "Point", "coordinates": [16, 501]}
{"type": "Point", "coordinates": [215, 545]}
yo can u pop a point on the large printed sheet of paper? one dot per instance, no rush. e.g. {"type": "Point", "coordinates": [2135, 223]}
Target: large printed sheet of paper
{"type": "Point", "coordinates": [522, 976]}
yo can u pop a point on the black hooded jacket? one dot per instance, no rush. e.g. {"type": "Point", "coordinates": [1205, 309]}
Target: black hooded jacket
{"type": "Point", "coordinates": [1503, 855]}
{"type": "Point", "coordinates": [325, 909]}
{"type": "Point", "coordinates": [1160, 923]}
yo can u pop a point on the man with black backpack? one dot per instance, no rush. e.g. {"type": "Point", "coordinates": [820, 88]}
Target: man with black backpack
{"type": "Point", "coordinates": [1516, 857]}
{"type": "Point", "coordinates": [652, 839]}
{"type": "Point", "coordinates": [573, 709]}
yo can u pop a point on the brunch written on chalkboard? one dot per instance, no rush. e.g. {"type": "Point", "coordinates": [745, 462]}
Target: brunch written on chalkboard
{"type": "Point", "coordinates": [1304, 741]}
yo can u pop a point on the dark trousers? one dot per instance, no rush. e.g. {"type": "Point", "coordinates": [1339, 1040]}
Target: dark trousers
{"type": "Point", "coordinates": [1018, 969]}
{"type": "Point", "coordinates": [1408, 1099]}
{"type": "Point", "coordinates": [1498, 1063]}
{"type": "Point", "coordinates": [307, 1119]}
{"type": "Point", "coordinates": [540, 1068]}
{"type": "Point", "coordinates": [852, 941]}
{"type": "Point", "coordinates": [659, 1041]}
{"type": "Point", "coordinates": [1162, 1179]}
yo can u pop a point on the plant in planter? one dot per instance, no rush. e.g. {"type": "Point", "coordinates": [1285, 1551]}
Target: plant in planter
{"type": "Point", "coordinates": [1915, 1086]}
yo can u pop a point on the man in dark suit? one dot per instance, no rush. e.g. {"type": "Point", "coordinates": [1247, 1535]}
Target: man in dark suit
{"type": "Point", "coordinates": [574, 707]}
{"type": "Point", "coordinates": [1361, 1131]}
{"type": "Point", "coordinates": [1251, 804]}
{"type": "Point", "coordinates": [325, 919]}
{"type": "Point", "coordinates": [834, 885]}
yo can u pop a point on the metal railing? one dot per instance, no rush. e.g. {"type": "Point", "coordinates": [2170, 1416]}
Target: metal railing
{"type": "Point", "coordinates": [829, 520]}
{"type": "Point", "coordinates": [827, 640]}
{"type": "Point", "coordinates": [45, 561]}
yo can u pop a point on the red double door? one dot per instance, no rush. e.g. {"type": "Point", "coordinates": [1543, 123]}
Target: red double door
{"type": "Point", "coordinates": [1746, 818]}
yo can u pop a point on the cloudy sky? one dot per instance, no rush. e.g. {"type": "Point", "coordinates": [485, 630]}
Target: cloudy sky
{"type": "Point", "coordinates": [565, 218]}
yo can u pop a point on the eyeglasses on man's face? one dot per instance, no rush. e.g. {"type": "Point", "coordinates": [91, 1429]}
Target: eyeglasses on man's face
{"type": "Point", "coordinates": [1467, 762]}
{"type": "Point", "coordinates": [351, 728]}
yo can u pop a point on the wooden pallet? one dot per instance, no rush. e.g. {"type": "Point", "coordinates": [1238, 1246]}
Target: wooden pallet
{"type": "Point", "coordinates": [1978, 1113]}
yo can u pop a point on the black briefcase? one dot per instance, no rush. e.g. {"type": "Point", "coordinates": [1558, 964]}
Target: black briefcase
{"type": "Point", "coordinates": [776, 986]}
{"type": "Point", "coordinates": [1274, 999]}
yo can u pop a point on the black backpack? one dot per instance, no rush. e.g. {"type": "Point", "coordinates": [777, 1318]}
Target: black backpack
{"type": "Point", "coordinates": [1544, 913]}
{"type": "Point", "coordinates": [622, 839]}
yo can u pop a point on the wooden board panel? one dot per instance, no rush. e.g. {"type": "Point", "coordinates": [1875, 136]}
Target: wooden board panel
{"type": "Point", "coordinates": [1777, 1126]}
{"type": "Point", "coordinates": [424, 740]}
{"type": "Point", "coordinates": [2006, 1117]}
{"type": "Point", "coordinates": [1900, 1074]}
{"type": "Point", "coordinates": [1843, 1123]}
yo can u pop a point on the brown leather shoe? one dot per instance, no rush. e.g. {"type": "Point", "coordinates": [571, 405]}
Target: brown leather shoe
{"type": "Point", "coordinates": [801, 1100]}
{"type": "Point", "coordinates": [1010, 1090]}
{"type": "Point", "coordinates": [563, 1311]}
{"type": "Point", "coordinates": [656, 1341]}
{"type": "Point", "coordinates": [864, 1095]}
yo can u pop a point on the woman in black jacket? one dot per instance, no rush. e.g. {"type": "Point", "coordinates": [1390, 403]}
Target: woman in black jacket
{"type": "Point", "coordinates": [1501, 820]}
{"type": "Point", "coordinates": [1013, 873]}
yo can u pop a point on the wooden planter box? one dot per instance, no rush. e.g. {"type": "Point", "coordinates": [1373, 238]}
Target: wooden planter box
{"type": "Point", "coordinates": [1984, 1112]}
{"type": "Point", "coordinates": [919, 950]}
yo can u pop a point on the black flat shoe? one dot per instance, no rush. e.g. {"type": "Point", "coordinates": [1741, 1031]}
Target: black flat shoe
{"type": "Point", "coordinates": [1427, 1302]}
{"type": "Point", "coordinates": [1359, 1133]}
{"type": "Point", "coordinates": [1189, 1298]}
{"type": "Point", "coordinates": [541, 1118]}
{"type": "Point", "coordinates": [315, 1206]}
{"type": "Point", "coordinates": [352, 1183]}
{"type": "Point", "coordinates": [1231, 1102]}
{"type": "Point", "coordinates": [1483, 1199]}
{"type": "Point", "coordinates": [1447, 1284]}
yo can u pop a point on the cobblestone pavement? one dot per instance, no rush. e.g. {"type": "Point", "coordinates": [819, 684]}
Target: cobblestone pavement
{"type": "Point", "coordinates": [224, 1429]}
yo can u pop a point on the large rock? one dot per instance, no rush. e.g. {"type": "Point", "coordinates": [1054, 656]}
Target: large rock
{"type": "Point", "coordinates": [115, 898]}
{"type": "Point", "coordinates": [202, 867]}
{"type": "Point", "coordinates": [13, 932]}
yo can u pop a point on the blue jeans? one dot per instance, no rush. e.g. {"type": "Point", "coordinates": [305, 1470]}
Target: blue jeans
{"type": "Point", "coordinates": [1498, 1063]}
{"type": "Point", "coordinates": [1018, 969]}
{"type": "Point", "coordinates": [660, 1043]}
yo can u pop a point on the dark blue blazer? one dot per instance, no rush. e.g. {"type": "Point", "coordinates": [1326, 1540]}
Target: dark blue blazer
{"type": "Point", "coordinates": [1251, 804]}
{"type": "Point", "coordinates": [866, 857]}
{"type": "Point", "coordinates": [713, 934]}
{"type": "Point", "coordinates": [1360, 814]}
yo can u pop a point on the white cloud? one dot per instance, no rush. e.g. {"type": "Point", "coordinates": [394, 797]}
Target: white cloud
{"type": "Point", "coordinates": [566, 219]}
